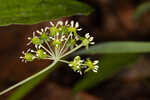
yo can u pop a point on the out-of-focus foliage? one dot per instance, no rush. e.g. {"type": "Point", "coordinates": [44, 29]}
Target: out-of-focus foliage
{"type": "Point", "coordinates": [145, 7]}
{"type": "Point", "coordinates": [109, 65]}
{"type": "Point", "coordinates": [34, 11]}
{"type": "Point", "coordinates": [118, 47]}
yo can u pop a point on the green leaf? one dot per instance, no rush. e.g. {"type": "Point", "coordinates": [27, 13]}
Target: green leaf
{"type": "Point", "coordinates": [140, 10]}
{"type": "Point", "coordinates": [28, 86]}
{"type": "Point", "coordinates": [117, 47]}
{"type": "Point", "coordinates": [109, 65]}
{"type": "Point", "coordinates": [34, 11]}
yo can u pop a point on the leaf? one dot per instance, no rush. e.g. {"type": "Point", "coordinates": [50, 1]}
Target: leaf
{"type": "Point", "coordinates": [109, 65]}
{"type": "Point", "coordinates": [34, 11]}
{"type": "Point", "coordinates": [28, 86]}
{"type": "Point", "coordinates": [140, 10]}
{"type": "Point", "coordinates": [117, 47]}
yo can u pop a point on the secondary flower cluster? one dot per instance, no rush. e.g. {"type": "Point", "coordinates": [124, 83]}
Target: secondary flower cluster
{"type": "Point", "coordinates": [77, 64]}
{"type": "Point", "coordinates": [58, 41]}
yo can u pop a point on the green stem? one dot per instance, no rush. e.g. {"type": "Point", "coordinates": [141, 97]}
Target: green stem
{"type": "Point", "coordinates": [64, 61]}
{"type": "Point", "coordinates": [50, 48]}
{"type": "Point", "coordinates": [71, 51]}
{"type": "Point", "coordinates": [29, 78]}
{"type": "Point", "coordinates": [64, 45]}
{"type": "Point", "coordinates": [47, 50]}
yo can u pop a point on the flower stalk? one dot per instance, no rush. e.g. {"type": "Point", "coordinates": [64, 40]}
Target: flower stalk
{"type": "Point", "coordinates": [29, 78]}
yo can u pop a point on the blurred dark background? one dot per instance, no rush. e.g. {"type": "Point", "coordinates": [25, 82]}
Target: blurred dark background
{"type": "Point", "coordinates": [112, 20]}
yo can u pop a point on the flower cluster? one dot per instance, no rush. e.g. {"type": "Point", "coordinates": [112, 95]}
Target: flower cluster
{"type": "Point", "coordinates": [58, 41]}
{"type": "Point", "coordinates": [77, 64]}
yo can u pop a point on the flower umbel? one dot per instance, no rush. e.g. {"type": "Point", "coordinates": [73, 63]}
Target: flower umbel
{"type": "Point", "coordinates": [58, 41]}
{"type": "Point", "coordinates": [55, 43]}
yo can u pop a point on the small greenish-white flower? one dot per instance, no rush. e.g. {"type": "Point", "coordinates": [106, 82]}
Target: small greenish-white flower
{"type": "Point", "coordinates": [35, 40]}
{"type": "Point", "coordinates": [91, 65]}
{"type": "Point", "coordinates": [27, 56]}
{"type": "Point", "coordinates": [42, 30]}
{"type": "Point", "coordinates": [64, 30]}
{"type": "Point", "coordinates": [56, 43]}
{"type": "Point", "coordinates": [43, 35]}
{"type": "Point", "coordinates": [54, 29]}
{"type": "Point", "coordinates": [44, 38]}
{"type": "Point", "coordinates": [87, 40]}
{"type": "Point", "coordinates": [76, 64]}
{"type": "Point", "coordinates": [74, 27]}
{"type": "Point", "coordinates": [41, 54]}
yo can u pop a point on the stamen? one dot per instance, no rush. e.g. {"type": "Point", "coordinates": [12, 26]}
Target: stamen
{"type": "Point", "coordinates": [76, 25]}
{"type": "Point", "coordinates": [29, 38]}
{"type": "Point", "coordinates": [72, 23]}
{"type": "Point", "coordinates": [66, 23]}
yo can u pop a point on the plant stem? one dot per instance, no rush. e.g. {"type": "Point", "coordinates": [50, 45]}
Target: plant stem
{"type": "Point", "coordinates": [29, 78]}
{"type": "Point", "coordinates": [64, 61]}
{"type": "Point", "coordinates": [50, 48]}
{"type": "Point", "coordinates": [64, 45]}
{"type": "Point", "coordinates": [74, 49]}
{"type": "Point", "coordinates": [47, 50]}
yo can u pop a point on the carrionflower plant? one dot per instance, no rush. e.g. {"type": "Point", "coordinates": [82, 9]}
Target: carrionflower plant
{"type": "Point", "coordinates": [55, 43]}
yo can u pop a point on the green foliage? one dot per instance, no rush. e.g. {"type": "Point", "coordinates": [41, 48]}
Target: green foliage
{"type": "Point", "coordinates": [145, 7]}
{"type": "Point", "coordinates": [34, 11]}
{"type": "Point", "coordinates": [118, 47]}
{"type": "Point", "coordinates": [109, 65]}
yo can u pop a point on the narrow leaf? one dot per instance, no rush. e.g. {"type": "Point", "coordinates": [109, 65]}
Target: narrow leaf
{"type": "Point", "coordinates": [118, 47]}
{"type": "Point", "coordinates": [143, 8]}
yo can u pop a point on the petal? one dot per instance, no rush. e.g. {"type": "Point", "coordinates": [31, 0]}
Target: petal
{"type": "Point", "coordinates": [60, 23]}
{"type": "Point", "coordinates": [70, 64]}
{"type": "Point", "coordinates": [42, 30]}
{"type": "Point", "coordinates": [72, 23]}
{"type": "Point", "coordinates": [87, 35]}
{"type": "Point", "coordinates": [46, 28]}
{"type": "Point", "coordinates": [51, 23]}
{"type": "Point", "coordinates": [29, 38]}
{"type": "Point", "coordinates": [96, 66]}
{"type": "Point", "coordinates": [79, 29]}
{"type": "Point", "coordinates": [21, 57]}
{"type": "Point", "coordinates": [39, 32]}
{"type": "Point", "coordinates": [95, 71]}
{"type": "Point", "coordinates": [92, 42]}
{"type": "Point", "coordinates": [91, 38]}
{"type": "Point", "coordinates": [78, 67]}
{"type": "Point", "coordinates": [33, 34]}
{"type": "Point", "coordinates": [76, 25]}
{"type": "Point", "coordinates": [66, 22]}
{"type": "Point", "coordinates": [95, 62]}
